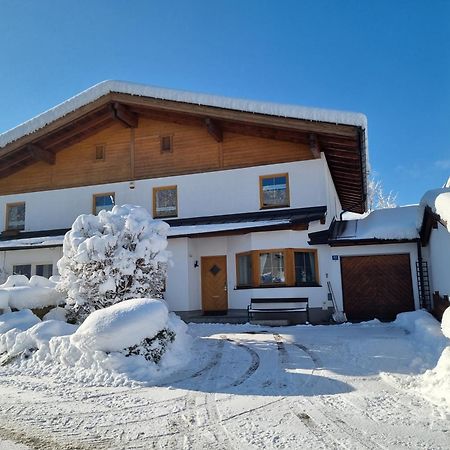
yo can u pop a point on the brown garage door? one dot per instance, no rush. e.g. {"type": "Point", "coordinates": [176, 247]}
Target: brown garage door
{"type": "Point", "coordinates": [377, 286]}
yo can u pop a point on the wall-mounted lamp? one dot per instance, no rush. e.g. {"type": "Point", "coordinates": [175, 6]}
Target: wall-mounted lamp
{"type": "Point", "coordinates": [132, 185]}
{"type": "Point", "coordinates": [196, 263]}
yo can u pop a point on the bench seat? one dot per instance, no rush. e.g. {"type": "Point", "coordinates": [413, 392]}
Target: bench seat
{"type": "Point", "coordinates": [292, 310]}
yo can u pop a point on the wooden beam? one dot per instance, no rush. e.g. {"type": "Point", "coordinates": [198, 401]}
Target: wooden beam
{"type": "Point", "coordinates": [75, 129]}
{"type": "Point", "coordinates": [342, 155]}
{"type": "Point", "coordinates": [124, 116]}
{"type": "Point", "coordinates": [41, 154]}
{"type": "Point", "coordinates": [330, 129]}
{"type": "Point", "coordinates": [214, 129]}
{"type": "Point", "coordinates": [344, 165]}
{"type": "Point", "coordinates": [314, 145]}
{"type": "Point", "coordinates": [6, 171]}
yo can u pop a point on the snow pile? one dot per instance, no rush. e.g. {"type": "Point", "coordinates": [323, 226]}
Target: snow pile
{"type": "Point", "coordinates": [19, 292]}
{"type": "Point", "coordinates": [20, 320]}
{"type": "Point", "coordinates": [439, 202]}
{"type": "Point", "coordinates": [105, 87]}
{"type": "Point", "coordinates": [115, 256]}
{"type": "Point", "coordinates": [388, 223]}
{"type": "Point", "coordinates": [16, 342]}
{"type": "Point", "coordinates": [434, 341]}
{"type": "Point", "coordinates": [425, 330]}
{"type": "Point", "coordinates": [131, 342]}
{"type": "Point", "coordinates": [436, 382]}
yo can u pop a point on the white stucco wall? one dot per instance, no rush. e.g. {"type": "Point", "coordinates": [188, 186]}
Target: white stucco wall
{"type": "Point", "coordinates": [213, 193]}
{"type": "Point", "coordinates": [438, 260]}
{"type": "Point", "coordinates": [9, 259]}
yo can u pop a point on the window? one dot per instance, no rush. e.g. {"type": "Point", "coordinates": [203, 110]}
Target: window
{"type": "Point", "coordinates": [166, 144]}
{"type": "Point", "coordinates": [15, 216]}
{"type": "Point", "coordinates": [100, 152]}
{"type": "Point", "coordinates": [244, 269]}
{"type": "Point", "coordinates": [22, 269]}
{"type": "Point", "coordinates": [103, 201]}
{"type": "Point", "coordinates": [165, 201]}
{"type": "Point", "coordinates": [44, 270]}
{"type": "Point", "coordinates": [271, 268]}
{"type": "Point", "coordinates": [305, 268]}
{"type": "Point", "coordinates": [274, 190]}
{"type": "Point", "coordinates": [280, 267]}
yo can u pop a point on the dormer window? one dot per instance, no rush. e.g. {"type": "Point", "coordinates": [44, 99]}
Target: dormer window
{"type": "Point", "coordinates": [15, 216]}
{"type": "Point", "coordinates": [274, 191]}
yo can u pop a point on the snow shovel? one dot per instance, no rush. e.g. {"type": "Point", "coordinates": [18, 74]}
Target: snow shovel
{"type": "Point", "coordinates": [337, 316]}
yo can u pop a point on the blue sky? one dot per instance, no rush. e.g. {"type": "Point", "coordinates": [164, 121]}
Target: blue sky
{"type": "Point", "coordinates": [387, 59]}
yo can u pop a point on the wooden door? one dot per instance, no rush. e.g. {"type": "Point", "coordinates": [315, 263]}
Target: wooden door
{"type": "Point", "coordinates": [376, 287]}
{"type": "Point", "coordinates": [214, 284]}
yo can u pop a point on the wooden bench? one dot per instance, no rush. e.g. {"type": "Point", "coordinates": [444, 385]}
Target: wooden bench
{"type": "Point", "coordinates": [292, 310]}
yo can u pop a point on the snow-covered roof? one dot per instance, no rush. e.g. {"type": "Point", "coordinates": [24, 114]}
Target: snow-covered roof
{"type": "Point", "coordinates": [217, 227]}
{"type": "Point", "coordinates": [439, 202]}
{"type": "Point", "coordinates": [176, 231]}
{"type": "Point", "coordinates": [389, 224]}
{"type": "Point", "coordinates": [35, 242]}
{"type": "Point", "coordinates": [122, 87]}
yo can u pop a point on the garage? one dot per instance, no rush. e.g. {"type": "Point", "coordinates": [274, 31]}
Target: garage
{"type": "Point", "coordinates": [376, 286]}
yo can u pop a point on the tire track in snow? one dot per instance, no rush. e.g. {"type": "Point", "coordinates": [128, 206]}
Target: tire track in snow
{"type": "Point", "coordinates": [321, 434]}
{"type": "Point", "coordinates": [214, 361]}
{"type": "Point", "coordinates": [254, 364]}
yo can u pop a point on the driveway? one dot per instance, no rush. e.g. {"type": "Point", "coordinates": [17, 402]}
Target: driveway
{"type": "Point", "coordinates": [246, 387]}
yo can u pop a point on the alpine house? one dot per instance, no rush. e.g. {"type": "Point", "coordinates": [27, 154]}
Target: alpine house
{"type": "Point", "coordinates": [251, 190]}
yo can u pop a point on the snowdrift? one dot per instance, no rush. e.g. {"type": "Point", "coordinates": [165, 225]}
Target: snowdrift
{"type": "Point", "coordinates": [434, 341]}
{"type": "Point", "coordinates": [112, 347]}
{"type": "Point", "coordinates": [436, 382]}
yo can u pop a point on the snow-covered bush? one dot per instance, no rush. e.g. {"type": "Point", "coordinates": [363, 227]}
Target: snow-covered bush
{"type": "Point", "coordinates": [134, 327]}
{"type": "Point", "coordinates": [136, 340]}
{"type": "Point", "coordinates": [115, 256]}
{"type": "Point", "coordinates": [19, 292]}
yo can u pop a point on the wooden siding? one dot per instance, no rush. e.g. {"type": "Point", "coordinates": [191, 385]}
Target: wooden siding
{"type": "Point", "coordinates": [136, 154]}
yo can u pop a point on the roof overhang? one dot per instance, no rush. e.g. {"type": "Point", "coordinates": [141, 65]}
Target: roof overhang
{"type": "Point", "coordinates": [193, 227]}
{"type": "Point", "coordinates": [340, 136]}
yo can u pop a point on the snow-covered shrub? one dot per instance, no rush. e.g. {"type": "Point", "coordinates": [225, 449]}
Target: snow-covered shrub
{"type": "Point", "coordinates": [19, 292]}
{"type": "Point", "coordinates": [115, 256]}
{"type": "Point", "coordinates": [134, 341]}
{"type": "Point", "coordinates": [152, 349]}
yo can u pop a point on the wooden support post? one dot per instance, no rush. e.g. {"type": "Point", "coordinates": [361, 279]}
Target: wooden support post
{"type": "Point", "coordinates": [41, 154]}
{"type": "Point", "coordinates": [123, 115]}
{"type": "Point", "coordinates": [214, 129]}
{"type": "Point", "coordinates": [314, 145]}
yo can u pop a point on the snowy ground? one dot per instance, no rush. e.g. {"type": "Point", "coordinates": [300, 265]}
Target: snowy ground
{"type": "Point", "coordinates": [247, 387]}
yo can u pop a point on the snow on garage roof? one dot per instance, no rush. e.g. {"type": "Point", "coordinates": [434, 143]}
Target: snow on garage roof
{"type": "Point", "coordinates": [123, 87]}
{"type": "Point", "coordinates": [388, 224]}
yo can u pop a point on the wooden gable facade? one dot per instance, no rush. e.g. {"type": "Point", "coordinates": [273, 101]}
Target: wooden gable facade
{"type": "Point", "coordinates": [127, 131]}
